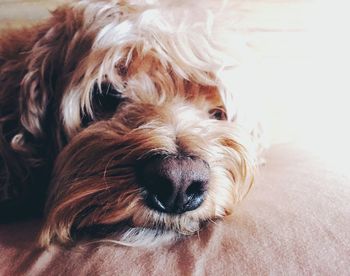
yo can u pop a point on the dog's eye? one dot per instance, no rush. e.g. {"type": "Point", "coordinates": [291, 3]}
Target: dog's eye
{"type": "Point", "coordinates": [105, 100]}
{"type": "Point", "coordinates": [218, 113]}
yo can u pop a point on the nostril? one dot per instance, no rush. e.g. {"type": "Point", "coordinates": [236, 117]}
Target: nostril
{"type": "Point", "coordinates": [196, 188]}
{"type": "Point", "coordinates": [195, 194]}
{"type": "Point", "coordinates": [163, 188]}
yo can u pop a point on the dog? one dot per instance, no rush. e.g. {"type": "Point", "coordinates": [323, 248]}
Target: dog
{"type": "Point", "coordinates": [116, 113]}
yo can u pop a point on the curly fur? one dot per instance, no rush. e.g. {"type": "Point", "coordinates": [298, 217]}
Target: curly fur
{"type": "Point", "coordinates": [167, 62]}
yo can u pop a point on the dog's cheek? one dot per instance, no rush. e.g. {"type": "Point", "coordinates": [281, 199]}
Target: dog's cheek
{"type": "Point", "coordinates": [84, 208]}
{"type": "Point", "coordinates": [85, 189]}
{"type": "Point", "coordinates": [232, 170]}
{"type": "Point", "coordinates": [222, 194]}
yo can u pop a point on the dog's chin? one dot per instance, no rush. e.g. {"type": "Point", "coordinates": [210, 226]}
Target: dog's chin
{"type": "Point", "coordinates": [147, 227]}
{"type": "Point", "coordinates": [184, 224]}
{"type": "Point", "coordinates": [129, 236]}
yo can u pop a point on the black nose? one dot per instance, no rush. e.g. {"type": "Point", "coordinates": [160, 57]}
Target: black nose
{"type": "Point", "coordinates": [174, 184]}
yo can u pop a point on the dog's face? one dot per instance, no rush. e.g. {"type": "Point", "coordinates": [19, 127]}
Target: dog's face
{"type": "Point", "coordinates": [151, 138]}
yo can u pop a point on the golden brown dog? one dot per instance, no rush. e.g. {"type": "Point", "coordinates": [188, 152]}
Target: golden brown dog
{"type": "Point", "coordinates": [123, 108]}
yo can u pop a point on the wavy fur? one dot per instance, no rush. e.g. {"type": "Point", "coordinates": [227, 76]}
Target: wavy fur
{"type": "Point", "coordinates": [167, 61]}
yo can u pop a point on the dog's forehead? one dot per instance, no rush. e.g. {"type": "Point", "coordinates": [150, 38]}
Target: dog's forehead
{"type": "Point", "coordinates": [184, 41]}
{"type": "Point", "coordinates": [146, 52]}
{"type": "Point", "coordinates": [147, 75]}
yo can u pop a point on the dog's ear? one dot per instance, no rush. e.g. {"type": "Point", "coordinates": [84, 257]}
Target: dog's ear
{"type": "Point", "coordinates": [58, 45]}
{"type": "Point", "coordinates": [33, 64]}
{"type": "Point", "coordinates": [44, 67]}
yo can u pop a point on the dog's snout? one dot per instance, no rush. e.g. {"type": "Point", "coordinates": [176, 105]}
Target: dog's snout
{"type": "Point", "coordinates": [173, 184]}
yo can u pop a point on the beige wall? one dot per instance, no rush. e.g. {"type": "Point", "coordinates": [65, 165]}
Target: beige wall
{"type": "Point", "coordinates": [19, 12]}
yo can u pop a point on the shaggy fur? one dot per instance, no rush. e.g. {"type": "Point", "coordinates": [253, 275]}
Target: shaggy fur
{"type": "Point", "coordinates": [97, 88]}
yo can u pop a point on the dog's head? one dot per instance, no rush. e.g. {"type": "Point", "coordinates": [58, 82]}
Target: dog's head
{"type": "Point", "coordinates": [144, 119]}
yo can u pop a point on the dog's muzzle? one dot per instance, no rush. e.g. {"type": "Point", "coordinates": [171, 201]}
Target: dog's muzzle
{"type": "Point", "coordinates": [174, 184]}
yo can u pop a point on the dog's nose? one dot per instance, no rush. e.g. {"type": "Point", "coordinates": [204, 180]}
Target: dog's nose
{"type": "Point", "coordinates": [173, 184]}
